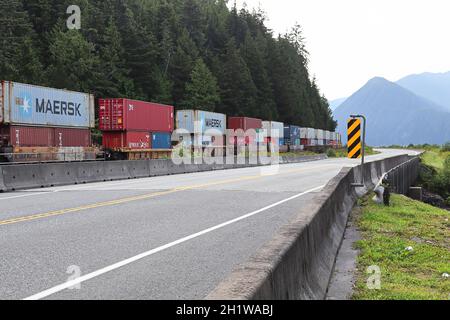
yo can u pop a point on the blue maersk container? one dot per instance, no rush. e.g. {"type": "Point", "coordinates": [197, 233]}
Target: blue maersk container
{"type": "Point", "coordinates": [24, 104]}
{"type": "Point", "coordinates": [161, 140]}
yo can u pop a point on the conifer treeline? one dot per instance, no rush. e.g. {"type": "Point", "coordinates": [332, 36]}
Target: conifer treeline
{"type": "Point", "coordinates": [189, 53]}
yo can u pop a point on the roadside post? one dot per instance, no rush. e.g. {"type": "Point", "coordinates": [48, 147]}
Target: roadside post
{"type": "Point", "coordinates": [357, 143]}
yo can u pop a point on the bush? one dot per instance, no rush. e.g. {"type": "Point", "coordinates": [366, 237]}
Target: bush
{"type": "Point", "coordinates": [446, 147]}
{"type": "Point", "coordinates": [331, 153]}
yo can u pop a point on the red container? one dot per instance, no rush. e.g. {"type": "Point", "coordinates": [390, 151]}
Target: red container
{"type": "Point", "coordinates": [244, 123]}
{"type": "Point", "coordinates": [125, 114]}
{"type": "Point", "coordinates": [305, 142]}
{"type": "Point", "coordinates": [135, 140]}
{"type": "Point", "coordinates": [70, 137]}
{"type": "Point", "coordinates": [26, 136]}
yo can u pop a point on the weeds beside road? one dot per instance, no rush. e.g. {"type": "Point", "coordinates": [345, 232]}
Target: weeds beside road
{"type": "Point", "coordinates": [410, 244]}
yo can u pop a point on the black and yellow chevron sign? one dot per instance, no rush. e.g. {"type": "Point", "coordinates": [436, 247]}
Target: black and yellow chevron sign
{"type": "Point", "coordinates": [354, 139]}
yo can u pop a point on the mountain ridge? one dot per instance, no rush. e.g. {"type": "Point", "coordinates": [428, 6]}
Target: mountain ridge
{"type": "Point", "coordinates": [395, 115]}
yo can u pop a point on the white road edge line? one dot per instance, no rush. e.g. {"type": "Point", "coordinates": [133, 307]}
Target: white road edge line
{"type": "Point", "coordinates": [27, 195]}
{"type": "Point", "coordinates": [123, 263]}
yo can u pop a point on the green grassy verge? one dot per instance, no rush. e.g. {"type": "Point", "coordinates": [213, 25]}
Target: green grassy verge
{"type": "Point", "coordinates": [343, 152]}
{"type": "Point", "coordinates": [386, 233]}
{"type": "Point", "coordinates": [435, 158]}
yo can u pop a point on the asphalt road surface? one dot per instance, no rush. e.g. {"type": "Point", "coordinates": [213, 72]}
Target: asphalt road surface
{"type": "Point", "coordinates": [172, 237]}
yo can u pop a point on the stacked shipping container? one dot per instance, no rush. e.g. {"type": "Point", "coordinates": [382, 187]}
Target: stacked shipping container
{"type": "Point", "coordinates": [38, 117]}
{"type": "Point", "coordinates": [200, 125]}
{"type": "Point", "coordinates": [269, 127]}
{"type": "Point", "coordinates": [245, 124]}
{"type": "Point", "coordinates": [135, 125]}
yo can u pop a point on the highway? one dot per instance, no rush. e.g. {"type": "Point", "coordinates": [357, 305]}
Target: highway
{"type": "Point", "coordinates": [171, 237]}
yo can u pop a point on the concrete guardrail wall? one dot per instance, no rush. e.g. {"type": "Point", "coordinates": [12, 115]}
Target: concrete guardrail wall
{"type": "Point", "coordinates": [29, 176]}
{"type": "Point", "coordinates": [400, 178]}
{"type": "Point", "coordinates": [298, 262]}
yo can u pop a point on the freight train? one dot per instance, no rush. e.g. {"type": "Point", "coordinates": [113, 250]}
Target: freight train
{"type": "Point", "coordinates": [46, 124]}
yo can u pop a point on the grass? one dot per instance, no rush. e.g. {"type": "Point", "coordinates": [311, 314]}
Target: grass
{"type": "Point", "coordinates": [435, 157]}
{"type": "Point", "coordinates": [405, 275]}
{"type": "Point", "coordinates": [343, 152]}
{"type": "Point", "coordinates": [298, 154]}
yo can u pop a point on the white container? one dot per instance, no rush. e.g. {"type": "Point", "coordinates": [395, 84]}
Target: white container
{"type": "Point", "coordinates": [311, 133]}
{"type": "Point", "coordinates": [319, 134]}
{"type": "Point", "coordinates": [270, 126]}
{"type": "Point", "coordinates": [186, 119]}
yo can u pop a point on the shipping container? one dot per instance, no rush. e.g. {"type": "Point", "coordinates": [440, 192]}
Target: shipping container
{"type": "Point", "coordinates": [70, 137]}
{"type": "Point", "coordinates": [269, 127]}
{"type": "Point", "coordinates": [187, 119]}
{"type": "Point", "coordinates": [161, 140]}
{"type": "Point", "coordinates": [307, 133]}
{"type": "Point", "coordinates": [24, 104]}
{"type": "Point", "coordinates": [26, 136]}
{"type": "Point", "coordinates": [292, 135]}
{"type": "Point", "coordinates": [319, 134]}
{"type": "Point", "coordinates": [305, 142]}
{"type": "Point", "coordinates": [244, 123]}
{"type": "Point", "coordinates": [134, 140]}
{"type": "Point", "coordinates": [133, 115]}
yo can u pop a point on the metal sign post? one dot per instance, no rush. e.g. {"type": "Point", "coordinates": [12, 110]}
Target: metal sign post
{"type": "Point", "coordinates": [356, 145]}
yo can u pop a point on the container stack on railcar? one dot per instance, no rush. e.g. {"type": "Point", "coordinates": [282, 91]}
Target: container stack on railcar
{"type": "Point", "coordinates": [45, 124]}
{"type": "Point", "coordinates": [243, 124]}
{"type": "Point", "coordinates": [201, 128]}
{"type": "Point", "coordinates": [135, 129]}
{"type": "Point", "coordinates": [269, 128]}
{"type": "Point", "coordinates": [292, 138]}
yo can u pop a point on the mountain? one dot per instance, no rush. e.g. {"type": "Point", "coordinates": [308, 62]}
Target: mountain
{"type": "Point", "coordinates": [334, 104]}
{"type": "Point", "coordinates": [395, 115]}
{"type": "Point", "coordinates": [433, 86]}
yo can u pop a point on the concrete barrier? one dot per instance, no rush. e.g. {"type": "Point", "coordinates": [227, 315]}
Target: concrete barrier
{"type": "Point", "coordinates": [28, 176]}
{"type": "Point", "coordinates": [297, 263]}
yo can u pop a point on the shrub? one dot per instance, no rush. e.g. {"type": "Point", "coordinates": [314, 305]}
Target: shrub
{"type": "Point", "coordinates": [331, 153]}
{"type": "Point", "coordinates": [446, 147]}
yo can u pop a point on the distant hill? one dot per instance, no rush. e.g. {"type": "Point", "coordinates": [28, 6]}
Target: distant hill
{"type": "Point", "coordinates": [334, 104]}
{"type": "Point", "coordinates": [433, 86]}
{"type": "Point", "coordinates": [395, 115]}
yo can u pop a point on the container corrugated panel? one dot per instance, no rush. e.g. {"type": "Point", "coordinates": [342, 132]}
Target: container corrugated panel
{"type": "Point", "coordinates": [292, 134]}
{"type": "Point", "coordinates": [126, 114]}
{"type": "Point", "coordinates": [127, 140]}
{"type": "Point", "coordinates": [25, 104]}
{"type": "Point", "coordinates": [161, 140]}
{"type": "Point", "coordinates": [305, 142]}
{"type": "Point", "coordinates": [303, 133]}
{"type": "Point", "coordinates": [26, 136]}
{"type": "Point", "coordinates": [319, 134]}
{"type": "Point", "coordinates": [270, 126]}
{"type": "Point", "coordinates": [244, 123]}
{"type": "Point", "coordinates": [311, 133]}
{"type": "Point", "coordinates": [70, 137]}
{"type": "Point", "coordinates": [204, 120]}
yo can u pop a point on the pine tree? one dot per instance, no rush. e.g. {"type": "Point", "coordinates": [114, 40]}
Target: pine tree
{"type": "Point", "coordinates": [114, 80]}
{"type": "Point", "coordinates": [72, 61]}
{"type": "Point", "coordinates": [202, 90]}
{"type": "Point", "coordinates": [238, 92]}
{"type": "Point", "coordinates": [19, 60]}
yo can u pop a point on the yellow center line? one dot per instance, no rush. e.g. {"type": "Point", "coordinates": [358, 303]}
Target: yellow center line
{"type": "Point", "coordinates": [141, 197]}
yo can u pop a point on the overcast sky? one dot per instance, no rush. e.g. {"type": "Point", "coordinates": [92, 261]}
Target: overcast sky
{"type": "Point", "coordinates": [351, 41]}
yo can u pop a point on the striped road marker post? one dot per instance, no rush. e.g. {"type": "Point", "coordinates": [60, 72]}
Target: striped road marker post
{"type": "Point", "coordinates": [357, 142]}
